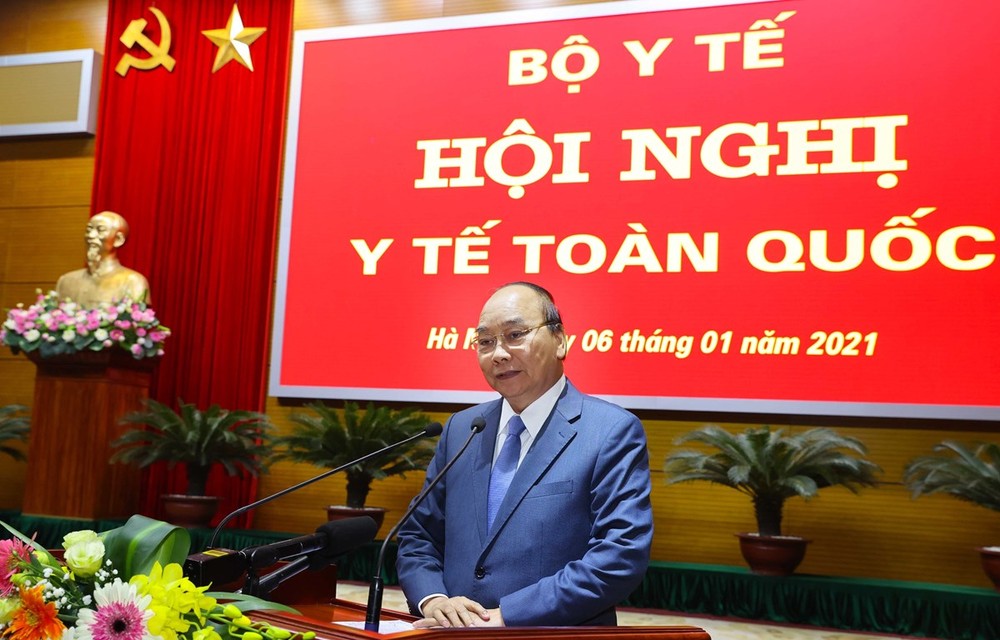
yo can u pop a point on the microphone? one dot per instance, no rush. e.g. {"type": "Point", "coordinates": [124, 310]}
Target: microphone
{"type": "Point", "coordinates": [433, 429]}
{"type": "Point", "coordinates": [331, 539]}
{"type": "Point", "coordinates": [314, 552]}
{"type": "Point", "coordinates": [374, 609]}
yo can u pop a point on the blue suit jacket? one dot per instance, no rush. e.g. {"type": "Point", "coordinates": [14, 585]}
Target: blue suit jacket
{"type": "Point", "coordinates": [573, 533]}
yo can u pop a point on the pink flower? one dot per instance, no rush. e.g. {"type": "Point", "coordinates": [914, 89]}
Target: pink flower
{"type": "Point", "coordinates": [11, 552]}
{"type": "Point", "coordinates": [94, 320]}
{"type": "Point", "coordinates": [117, 335]}
{"type": "Point", "coordinates": [140, 332]}
{"type": "Point", "coordinates": [121, 614]}
{"type": "Point", "coordinates": [157, 336]}
{"type": "Point", "coordinates": [136, 349]}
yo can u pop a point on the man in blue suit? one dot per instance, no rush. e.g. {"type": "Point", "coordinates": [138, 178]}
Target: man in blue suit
{"type": "Point", "coordinates": [570, 536]}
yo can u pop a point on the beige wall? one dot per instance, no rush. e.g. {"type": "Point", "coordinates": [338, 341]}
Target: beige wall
{"type": "Point", "coordinates": [44, 191]}
{"type": "Point", "coordinates": [45, 186]}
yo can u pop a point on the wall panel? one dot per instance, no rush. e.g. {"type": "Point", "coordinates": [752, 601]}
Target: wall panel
{"type": "Point", "coordinates": [45, 189]}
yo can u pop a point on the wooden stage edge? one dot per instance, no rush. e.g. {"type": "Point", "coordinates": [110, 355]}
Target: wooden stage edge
{"type": "Point", "coordinates": [320, 618]}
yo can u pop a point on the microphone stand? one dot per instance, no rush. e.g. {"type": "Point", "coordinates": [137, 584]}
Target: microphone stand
{"type": "Point", "coordinates": [374, 609]}
{"type": "Point", "coordinates": [326, 474]}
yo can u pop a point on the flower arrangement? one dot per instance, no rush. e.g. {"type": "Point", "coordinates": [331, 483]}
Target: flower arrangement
{"type": "Point", "coordinates": [124, 584]}
{"type": "Point", "coordinates": [53, 326]}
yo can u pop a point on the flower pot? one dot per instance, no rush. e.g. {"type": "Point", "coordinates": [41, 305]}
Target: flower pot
{"type": "Point", "coordinates": [772, 555]}
{"type": "Point", "coordinates": [990, 558]}
{"type": "Point", "coordinates": [339, 512]}
{"type": "Point", "coordinates": [188, 511]}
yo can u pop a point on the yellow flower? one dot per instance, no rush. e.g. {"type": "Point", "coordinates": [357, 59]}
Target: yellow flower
{"type": "Point", "coordinates": [177, 604]}
{"type": "Point", "coordinates": [207, 633]}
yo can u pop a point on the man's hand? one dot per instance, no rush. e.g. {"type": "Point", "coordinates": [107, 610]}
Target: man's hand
{"type": "Point", "coordinates": [458, 611]}
{"type": "Point", "coordinates": [494, 619]}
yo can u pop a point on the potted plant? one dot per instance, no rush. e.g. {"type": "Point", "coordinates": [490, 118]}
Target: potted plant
{"type": "Point", "coordinates": [239, 441]}
{"type": "Point", "coordinates": [771, 466]}
{"type": "Point", "coordinates": [967, 472]}
{"type": "Point", "coordinates": [13, 428]}
{"type": "Point", "coordinates": [326, 440]}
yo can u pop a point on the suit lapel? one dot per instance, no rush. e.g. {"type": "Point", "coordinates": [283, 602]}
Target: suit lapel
{"type": "Point", "coordinates": [557, 432]}
{"type": "Point", "coordinates": [482, 464]}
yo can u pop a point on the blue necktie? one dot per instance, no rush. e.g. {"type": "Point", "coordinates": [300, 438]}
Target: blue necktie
{"type": "Point", "coordinates": [504, 468]}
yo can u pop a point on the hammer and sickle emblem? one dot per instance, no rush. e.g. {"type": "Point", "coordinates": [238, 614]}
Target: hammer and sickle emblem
{"type": "Point", "coordinates": [158, 53]}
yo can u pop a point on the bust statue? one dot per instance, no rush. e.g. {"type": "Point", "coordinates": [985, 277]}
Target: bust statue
{"type": "Point", "coordinates": [104, 279]}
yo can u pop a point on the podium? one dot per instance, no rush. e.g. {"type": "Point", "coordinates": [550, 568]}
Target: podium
{"type": "Point", "coordinates": [314, 596]}
{"type": "Point", "coordinates": [319, 618]}
{"type": "Point", "coordinates": [79, 399]}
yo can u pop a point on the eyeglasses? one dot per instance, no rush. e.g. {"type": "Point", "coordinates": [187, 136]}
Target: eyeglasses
{"type": "Point", "coordinates": [511, 339]}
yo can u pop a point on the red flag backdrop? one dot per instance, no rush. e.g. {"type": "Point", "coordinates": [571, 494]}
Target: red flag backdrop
{"type": "Point", "coordinates": [191, 158]}
{"type": "Point", "coordinates": [766, 207]}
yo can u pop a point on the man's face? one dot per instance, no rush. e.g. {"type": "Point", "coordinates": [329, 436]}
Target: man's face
{"type": "Point", "coordinates": [523, 373]}
{"type": "Point", "coordinates": [102, 235]}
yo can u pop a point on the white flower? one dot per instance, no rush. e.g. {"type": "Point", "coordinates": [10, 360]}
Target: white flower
{"type": "Point", "coordinates": [76, 537]}
{"type": "Point", "coordinates": [69, 335]}
{"type": "Point", "coordinates": [31, 335]}
{"type": "Point", "coordinates": [121, 613]}
{"type": "Point", "coordinates": [101, 335]}
{"type": "Point", "coordinates": [85, 557]}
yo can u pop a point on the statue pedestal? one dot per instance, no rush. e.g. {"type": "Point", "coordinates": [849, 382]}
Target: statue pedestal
{"type": "Point", "coordinates": [79, 400]}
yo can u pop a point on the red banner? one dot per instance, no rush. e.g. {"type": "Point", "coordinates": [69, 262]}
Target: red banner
{"type": "Point", "coordinates": [780, 207]}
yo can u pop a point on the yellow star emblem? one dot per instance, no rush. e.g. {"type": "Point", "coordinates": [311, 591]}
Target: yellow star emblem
{"type": "Point", "coordinates": [234, 41]}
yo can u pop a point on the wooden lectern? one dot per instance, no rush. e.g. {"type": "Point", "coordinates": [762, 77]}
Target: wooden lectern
{"type": "Point", "coordinates": [320, 618]}
{"type": "Point", "coordinates": [305, 592]}
{"type": "Point", "coordinates": [79, 399]}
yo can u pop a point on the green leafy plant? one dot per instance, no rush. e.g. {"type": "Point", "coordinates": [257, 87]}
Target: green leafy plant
{"type": "Point", "coordinates": [240, 441]}
{"type": "Point", "coordinates": [969, 473]}
{"type": "Point", "coordinates": [324, 439]}
{"type": "Point", "coordinates": [771, 466]}
{"type": "Point", "coordinates": [13, 428]}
